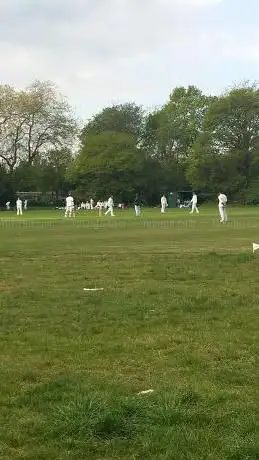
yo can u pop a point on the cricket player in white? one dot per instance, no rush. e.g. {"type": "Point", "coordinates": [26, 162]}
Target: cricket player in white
{"type": "Point", "coordinates": [194, 202]}
{"type": "Point", "coordinates": [70, 210]}
{"type": "Point", "coordinates": [8, 205]}
{"type": "Point", "coordinates": [137, 206]}
{"type": "Point", "coordinates": [110, 205]}
{"type": "Point", "coordinates": [164, 204]}
{"type": "Point", "coordinates": [19, 206]}
{"type": "Point", "coordinates": [222, 207]}
{"type": "Point", "coordinates": [25, 205]}
{"type": "Point", "coordinates": [100, 206]}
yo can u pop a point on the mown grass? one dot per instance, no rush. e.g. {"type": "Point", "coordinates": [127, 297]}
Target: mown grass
{"type": "Point", "coordinates": [178, 314]}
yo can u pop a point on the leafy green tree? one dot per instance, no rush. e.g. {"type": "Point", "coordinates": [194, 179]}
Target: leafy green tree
{"type": "Point", "coordinates": [54, 171]}
{"type": "Point", "coordinates": [225, 154]}
{"type": "Point", "coordinates": [123, 118]}
{"type": "Point", "coordinates": [111, 158]}
{"type": "Point", "coordinates": [44, 175]}
{"type": "Point", "coordinates": [251, 194]}
{"type": "Point", "coordinates": [28, 177]}
{"type": "Point", "coordinates": [232, 124]}
{"type": "Point", "coordinates": [213, 173]}
{"type": "Point", "coordinates": [171, 131]}
{"type": "Point", "coordinates": [107, 164]}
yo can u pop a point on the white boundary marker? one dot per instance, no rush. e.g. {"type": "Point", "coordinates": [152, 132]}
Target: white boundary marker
{"type": "Point", "coordinates": [145, 392]}
{"type": "Point", "coordinates": [93, 289]}
{"type": "Point", "coordinates": [255, 246]}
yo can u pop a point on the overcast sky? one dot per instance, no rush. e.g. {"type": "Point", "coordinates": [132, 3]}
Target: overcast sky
{"type": "Point", "coordinates": [102, 52]}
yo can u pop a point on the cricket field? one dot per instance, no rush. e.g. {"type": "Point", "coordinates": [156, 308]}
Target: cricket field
{"type": "Point", "coordinates": [178, 314]}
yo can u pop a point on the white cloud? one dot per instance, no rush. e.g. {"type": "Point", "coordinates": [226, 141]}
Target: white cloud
{"type": "Point", "coordinates": [194, 3]}
{"type": "Point", "coordinates": [99, 51]}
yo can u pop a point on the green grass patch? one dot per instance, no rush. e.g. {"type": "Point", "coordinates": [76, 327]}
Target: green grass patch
{"type": "Point", "coordinates": [178, 314]}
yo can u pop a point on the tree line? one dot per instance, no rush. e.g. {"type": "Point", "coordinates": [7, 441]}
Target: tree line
{"type": "Point", "coordinates": [194, 141]}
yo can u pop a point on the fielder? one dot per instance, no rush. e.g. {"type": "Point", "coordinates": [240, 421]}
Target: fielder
{"type": "Point", "coordinates": [19, 206]}
{"type": "Point", "coordinates": [222, 208]}
{"type": "Point", "coordinates": [137, 205]}
{"type": "Point", "coordinates": [25, 205]}
{"type": "Point", "coordinates": [164, 204]}
{"type": "Point", "coordinates": [70, 207]}
{"type": "Point", "coordinates": [100, 206]}
{"type": "Point", "coordinates": [194, 202]}
{"type": "Point", "coordinates": [110, 206]}
{"type": "Point", "coordinates": [8, 205]}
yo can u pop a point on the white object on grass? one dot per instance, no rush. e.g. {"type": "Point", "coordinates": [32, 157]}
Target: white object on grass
{"type": "Point", "coordinates": [93, 289]}
{"type": "Point", "coordinates": [255, 246]}
{"type": "Point", "coordinates": [145, 392]}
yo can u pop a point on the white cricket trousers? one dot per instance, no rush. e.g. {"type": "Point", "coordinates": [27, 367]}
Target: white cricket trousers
{"type": "Point", "coordinates": [194, 208]}
{"type": "Point", "coordinates": [110, 211]}
{"type": "Point", "coordinates": [223, 214]}
{"type": "Point", "coordinates": [19, 211]}
{"type": "Point", "coordinates": [69, 211]}
{"type": "Point", "coordinates": [163, 206]}
{"type": "Point", "coordinates": [137, 210]}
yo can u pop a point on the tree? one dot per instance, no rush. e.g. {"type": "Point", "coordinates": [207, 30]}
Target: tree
{"type": "Point", "coordinates": [171, 131]}
{"type": "Point", "coordinates": [54, 171]}
{"type": "Point", "coordinates": [107, 164]}
{"type": "Point", "coordinates": [232, 125]}
{"type": "Point", "coordinates": [11, 127]}
{"type": "Point", "coordinates": [44, 175]}
{"type": "Point", "coordinates": [110, 155]}
{"type": "Point", "coordinates": [32, 122]}
{"type": "Point", "coordinates": [50, 123]}
{"type": "Point", "coordinates": [226, 153]}
{"type": "Point", "coordinates": [210, 172]}
{"type": "Point", "coordinates": [6, 191]}
{"type": "Point", "coordinates": [123, 118]}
